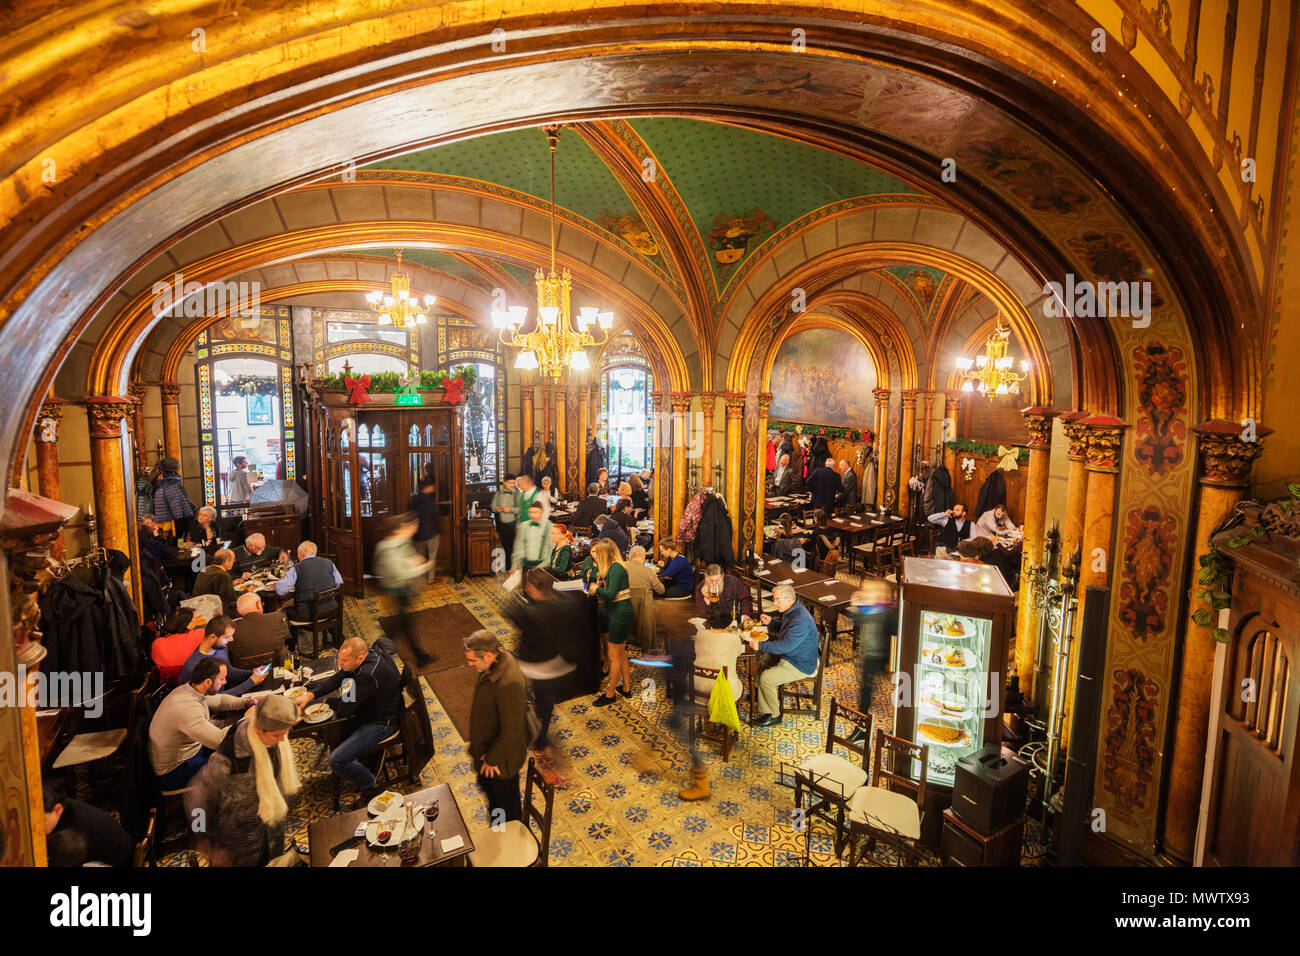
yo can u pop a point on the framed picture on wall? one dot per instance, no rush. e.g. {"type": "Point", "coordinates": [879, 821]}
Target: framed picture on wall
{"type": "Point", "coordinates": [261, 409]}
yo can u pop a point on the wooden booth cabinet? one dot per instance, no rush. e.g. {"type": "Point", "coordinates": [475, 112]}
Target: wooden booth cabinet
{"type": "Point", "coordinates": [1254, 814]}
{"type": "Point", "coordinates": [368, 462]}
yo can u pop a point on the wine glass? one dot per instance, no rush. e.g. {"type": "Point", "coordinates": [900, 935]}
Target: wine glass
{"type": "Point", "coordinates": [431, 814]}
{"type": "Point", "coordinates": [384, 841]}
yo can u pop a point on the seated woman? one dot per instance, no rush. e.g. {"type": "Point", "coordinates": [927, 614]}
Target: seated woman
{"type": "Point", "coordinates": [786, 538]}
{"type": "Point", "coordinates": [562, 555]}
{"type": "Point", "coordinates": [640, 497]}
{"type": "Point", "coordinates": [717, 646]}
{"type": "Point", "coordinates": [622, 513]}
{"type": "Point", "coordinates": [203, 528]}
{"type": "Point", "coordinates": [824, 540]}
{"type": "Point", "coordinates": [549, 492]}
{"type": "Point", "coordinates": [678, 575]}
{"type": "Point", "coordinates": [983, 551]}
{"type": "Point", "coordinates": [178, 641]}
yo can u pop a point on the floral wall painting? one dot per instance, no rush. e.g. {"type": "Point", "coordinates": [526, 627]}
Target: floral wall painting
{"type": "Point", "coordinates": [824, 377]}
{"type": "Point", "coordinates": [1161, 431]}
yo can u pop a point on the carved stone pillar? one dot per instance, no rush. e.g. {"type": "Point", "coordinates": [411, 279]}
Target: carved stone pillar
{"type": "Point", "coordinates": [906, 451]}
{"type": "Point", "coordinates": [660, 505]}
{"type": "Point", "coordinates": [735, 462]}
{"type": "Point", "coordinates": [584, 422]}
{"type": "Point", "coordinates": [927, 433]}
{"type": "Point", "coordinates": [1226, 460]}
{"type": "Point", "coordinates": [1039, 421]}
{"type": "Point", "coordinates": [707, 400]}
{"type": "Point", "coordinates": [171, 408]}
{"type": "Point", "coordinates": [760, 491]}
{"type": "Point", "coordinates": [881, 396]}
{"type": "Point", "coordinates": [525, 426]}
{"type": "Point", "coordinates": [106, 416]}
{"type": "Point", "coordinates": [561, 444]}
{"type": "Point", "coordinates": [137, 390]}
{"type": "Point", "coordinates": [47, 458]}
{"type": "Point", "coordinates": [681, 405]}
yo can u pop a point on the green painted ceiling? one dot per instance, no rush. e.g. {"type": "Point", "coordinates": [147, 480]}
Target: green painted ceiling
{"type": "Point", "coordinates": [434, 259]}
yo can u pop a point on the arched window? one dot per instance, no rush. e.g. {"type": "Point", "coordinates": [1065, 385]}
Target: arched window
{"type": "Point", "coordinates": [627, 422]}
{"type": "Point", "coordinates": [463, 342]}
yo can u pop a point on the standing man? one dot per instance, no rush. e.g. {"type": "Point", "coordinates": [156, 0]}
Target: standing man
{"type": "Point", "coordinates": [398, 568]}
{"type": "Point", "coordinates": [824, 483]}
{"type": "Point", "coordinates": [505, 505]}
{"type": "Point", "coordinates": [795, 646]}
{"type": "Point", "coordinates": [238, 491]}
{"type": "Point", "coordinates": [498, 730]}
{"type": "Point", "coordinates": [953, 526]}
{"type": "Point", "coordinates": [424, 505]}
{"type": "Point", "coordinates": [533, 545]}
{"type": "Point", "coordinates": [848, 496]}
{"type": "Point", "coordinates": [528, 493]}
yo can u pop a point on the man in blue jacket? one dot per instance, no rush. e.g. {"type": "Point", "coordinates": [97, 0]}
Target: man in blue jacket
{"type": "Point", "coordinates": [795, 645]}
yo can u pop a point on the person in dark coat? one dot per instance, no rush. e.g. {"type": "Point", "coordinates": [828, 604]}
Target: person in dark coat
{"type": "Point", "coordinates": [607, 527]}
{"type": "Point", "coordinates": [596, 458]}
{"type": "Point", "coordinates": [498, 727]}
{"type": "Point", "coordinates": [824, 483]}
{"type": "Point", "coordinates": [106, 841]}
{"type": "Point", "coordinates": [713, 534]}
{"type": "Point", "coordinates": [992, 493]}
{"type": "Point", "coordinates": [170, 502]}
{"type": "Point", "coordinates": [783, 477]}
{"type": "Point", "coordinates": [938, 495]}
{"type": "Point", "coordinates": [584, 516]}
{"type": "Point", "coordinates": [954, 526]}
{"type": "Point", "coordinates": [424, 505]}
{"type": "Point", "coordinates": [215, 579]}
{"type": "Point", "coordinates": [847, 496]}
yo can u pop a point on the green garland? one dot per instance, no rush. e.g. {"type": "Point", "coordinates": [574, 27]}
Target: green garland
{"type": "Point", "coordinates": [382, 382]}
{"type": "Point", "coordinates": [986, 448]}
{"type": "Point", "coordinates": [249, 385]}
{"type": "Point", "coordinates": [825, 431]}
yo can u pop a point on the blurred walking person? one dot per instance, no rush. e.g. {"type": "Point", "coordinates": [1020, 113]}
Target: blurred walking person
{"type": "Point", "coordinates": [399, 568]}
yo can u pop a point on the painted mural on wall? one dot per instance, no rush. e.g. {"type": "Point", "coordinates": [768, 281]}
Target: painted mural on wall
{"type": "Point", "coordinates": [824, 377]}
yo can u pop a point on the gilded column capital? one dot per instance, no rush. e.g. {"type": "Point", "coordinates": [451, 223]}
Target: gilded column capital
{"type": "Point", "coordinates": [681, 401]}
{"type": "Point", "coordinates": [764, 403]}
{"type": "Point", "coordinates": [928, 399]}
{"type": "Point", "coordinates": [707, 400]}
{"type": "Point", "coordinates": [909, 397]}
{"type": "Point", "coordinates": [1077, 434]}
{"type": "Point", "coordinates": [1226, 456]}
{"type": "Point", "coordinates": [1038, 419]}
{"type": "Point", "coordinates": [881, 396]}
{"type": "Point", "coordinates": [526, 391]}
{"type": "Point", "coordinates": [106, 414]}
{"type": "Point", "coordinates": [48, 420]}
{"type": "Point", "coordinates": [171, 393]}
{"type": "Point", "coordinates": [1105, 439]}
{"type": "Point", "coordinates": [735, 402]}
{"type": "Point", "coordinates": [137, 390]}
{"type": "Point", "coordinates": [657, 401]}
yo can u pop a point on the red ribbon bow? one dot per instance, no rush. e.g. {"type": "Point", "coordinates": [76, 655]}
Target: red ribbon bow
{"type": "Point", "coordinates": [455, 389]}
{"type": "Point", "coordinates": [357, 387]}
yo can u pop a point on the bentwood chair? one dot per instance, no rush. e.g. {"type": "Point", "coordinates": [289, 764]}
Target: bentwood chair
{"type": "Point", "coordinates": [879, 812]}
{"type": "Point", "coordinates": [144, 855]}
{"type": "Point", "coordinates": [700, 724]}
{"type": "Point", "coordinates": [831, 779]}
{"type": "Point", "coordinates": [808, 690]}
{"type": "Point", "coordinates": [323, 622]}
{"type": "Point", "coordinates": [515, 844]}
{"type": "Point", "coordinates": [93, 746]}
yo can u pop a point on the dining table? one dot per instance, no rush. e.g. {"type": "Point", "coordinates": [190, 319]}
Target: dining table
{"type": "Point", "coordinates": [324, 835]}
{"type": "Point", "coordinates": [774, 571]}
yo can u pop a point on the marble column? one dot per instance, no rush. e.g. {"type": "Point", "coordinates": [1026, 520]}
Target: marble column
{"type": "Point", "coordinates": [662, 469]}
{"type": "Point", "coordinates": [906, 451]}
{"type": "Point", "coordinates": [760, 476]}
{"type": "Point", "coordinates": [735, 463]}
{"type": "Point", "coordinates": [47, 458]}
{"type": "Point", "coordinates": [525, 427]}
{"type": "Point", "coordinates": [1226, 460]}
{"type": "Point", "coordinates": [106, 416]}
{"type": "Point", "coordinates": [926, 440]}
{"type": "Point", "coordinates": [584, 422]}
{"type": "Point", "coordinates": [681, 406]}
{"type": "Point", "coordinates": [707, 400]}
{"type": "Point", "coordinates": [561, 444]}
{"type": "Point", "coordinates": [1104, 436]}
{"type": "Point", "coordinates": [171, 409]}
{"type": "Point", "coordinates": [881, 396]}
{"type": "Point", "coordinates": [137, 390]}
{"type": "Point", "coordinates": [1038, 419]}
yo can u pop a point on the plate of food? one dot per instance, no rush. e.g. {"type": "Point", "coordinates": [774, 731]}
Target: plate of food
{"type": "Point", "coordinates": [946, 655]}
{"type": "Point", "coordinates": [386, 801]}
{"type": "Point", "coordinates": [293, 693]}
{"type": "Point", "coordinates": [941, 735]}
{"type": "Point", "coordinates": [317, 713]}
{"type": "Point", "coordinates": [946, 705]}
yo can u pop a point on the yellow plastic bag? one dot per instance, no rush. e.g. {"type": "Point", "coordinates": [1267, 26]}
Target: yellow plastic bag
{"type": "Point", "coordinates": [722, 706]}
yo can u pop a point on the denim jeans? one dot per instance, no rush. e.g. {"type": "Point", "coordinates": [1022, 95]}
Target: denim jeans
{"type": "Point", "coordinates": [180, 775]}
{"type": "Point", "coordinates": [345, 760]}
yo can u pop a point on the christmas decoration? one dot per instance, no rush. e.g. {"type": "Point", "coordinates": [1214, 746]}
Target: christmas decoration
{"type": "Point", "coordinates": [357, 389]}
{"type": "Point", "coordinates": [829, 431]}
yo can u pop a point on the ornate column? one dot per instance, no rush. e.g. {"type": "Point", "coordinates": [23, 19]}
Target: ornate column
{"type": "Point", "coordinates": [927, 434]}
{"type": "Point", "coordinates": [662, 468]}
{"type": "Point", "coordinates": [171, 408]}
{"type": "Point", "coordinates": [707, 400]}
{"type": "Point", "coordinates": [1105, 439]}
{"type": "Point", "coordinates": [1226, 461]}
{"type": "Point", "coordinates": [47, 458]}
{"type": "Point", "coordinates": [1076, 492]}
{"type": "Point", "coordinates": [681, 405]}
{"type": "Point", "coordinates": [525, 427]}
{"type": "Point", "coordinates": [735, 463]}
{"type": "Point", "coordinates": [906, 451]}
{"type": "Point", "coordinates": [106, 416]}
{"type": "Point", "coordinates": [561, 445]}
{"type": "Point", "coordinates": [137, 390]}
{"type": "Point", "coordinates": [1038, 419]}
{"type": "Point", "coordinates": [583, 424]}
{"type": "Point", "coordinates": [760, 490]}
{"type": "Point", "coordinates": [881, 396]}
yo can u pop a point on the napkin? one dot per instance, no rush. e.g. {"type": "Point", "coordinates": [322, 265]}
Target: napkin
{"type": "Point", "coordinates": [345, 857]}
{"type": "Point", "coordinates": [786, 581]}
{"type": "Point", "coordinates": [828, 597]}
{"type": "Point", "coordinates": [452, 843]}
{"type": "Point", "coordinates": [764, 571]}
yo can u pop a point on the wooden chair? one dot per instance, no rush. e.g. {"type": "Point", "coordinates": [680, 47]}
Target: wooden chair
{"type": "Point", "coordinates": [85, 748]}
{"type": "Point", "coordinates": [880, 812]}
{"type": "Point", "coordinates": [830, 564]}
{"type": "Point", "coordinates": [253, 661]}
{"type": "Point", "coordinates": [322, 621]}
{"type": "Point", "coordinates": [699, 715]}
{"type": "Point", "coordinates": [831, 779]}
{"type": "Point", "coordinates": [144, 855]}
{"type": "Point", "coordinates": [808, 689]}
{"type": "Point", "coordinates": [414, 734]}
{"type": "Point", "coordinates": [873, 552]}
{"type": "Point", "coordinates": [515, 844]}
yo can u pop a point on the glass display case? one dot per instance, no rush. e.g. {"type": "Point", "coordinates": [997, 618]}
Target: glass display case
{"type": "Point", "coordinates": [954, 631]}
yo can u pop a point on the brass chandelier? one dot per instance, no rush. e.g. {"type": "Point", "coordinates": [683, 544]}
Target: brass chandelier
{"type": "Point", "coordinates": [555, 344]}
{"type": "Point", "coordinates": [399, 308]}
{"type": "Point", "coordinates": [991, 373]}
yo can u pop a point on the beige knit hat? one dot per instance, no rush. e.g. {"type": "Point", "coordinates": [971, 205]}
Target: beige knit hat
{"type": "Point", "coordinates": [276, 712]}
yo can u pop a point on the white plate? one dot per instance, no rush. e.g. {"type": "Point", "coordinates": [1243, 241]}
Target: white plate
{"type": "Point", "coordinates": [373, 806]}
{"type": "Point", "coordinates": [256, 694]}
{"type": "Point", "coordinates": [320, 718]}
{"type": "Point", "coordinates": [293, 693]}
{"type": "Point", "coordinates": [399, 832]}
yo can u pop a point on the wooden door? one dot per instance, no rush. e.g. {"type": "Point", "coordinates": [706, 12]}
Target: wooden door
{"type": "Point", "coordinates": [339, 507]}
{"type": "Point", "coordinates": [379, 446]}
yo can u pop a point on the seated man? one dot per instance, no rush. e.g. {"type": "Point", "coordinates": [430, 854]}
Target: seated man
{"type": "Point", "coordinates": [367, 690]}
{"type": "Point", "coordinates": [796, 647]}
{"type": "Point", "coordinates": [607, 527]}
{"type": "Point", "coordinates": [216, 579]}
{"type": "Point", "coordinates": [782, 481]}
{"type": "Point", "coordinates": [256, 633]}
{"type": "Point", "coordinates": [953, 526]}
{"type": "Point", "coordinates": [584, 516]}
{"type": "Point", "coordinates": [182, 734]}
{"type": "Point", "coordinates": [640, 576]}
{"type": "Point", "coordinates": [312, 573]}
{"type": "Point", "coordinates": [253, 555]}
{"type": "Point", "coordinates": [676, 570]}
{"type": "Point", "coordinates": [725, 590]}
{"type": "Point", "coordinates": [106, 841]}
{"type": "Point", "coordinates": [997, 525]}
{"type": "Point", "coordinates": [218, 633]}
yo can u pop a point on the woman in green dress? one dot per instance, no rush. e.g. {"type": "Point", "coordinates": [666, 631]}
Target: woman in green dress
{"type": "Point", "coordinates": [615, 599]}
{"type": "Point", "coordinates": [562, 553]}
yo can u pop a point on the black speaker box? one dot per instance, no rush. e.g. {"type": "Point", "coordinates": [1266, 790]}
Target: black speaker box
{"type": "Point", "coordinates": [989, 789]}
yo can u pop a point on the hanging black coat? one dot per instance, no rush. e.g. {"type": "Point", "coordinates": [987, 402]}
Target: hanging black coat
{"type": "Point", "coordinates": [938, 494]}
{"type": "Point", "coordinates": [713, 536]}
{"type": "Point", "coordinates": [818, 454]}
{"type": "Point", "coordinates": [596, 460]}
{"type": "Point", "coordinates": [70, 610]}
{"type": "Point", "coordinates": [122, 620]}
{"type": "Point", "coordinates": [992, 493]}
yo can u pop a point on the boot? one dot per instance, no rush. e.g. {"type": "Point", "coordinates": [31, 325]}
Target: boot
{"type": "Point", "coordinates": [699, 788]}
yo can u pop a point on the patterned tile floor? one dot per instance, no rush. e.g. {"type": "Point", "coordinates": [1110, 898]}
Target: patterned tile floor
{"type": "Point", "coordinates": [625, 766]}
